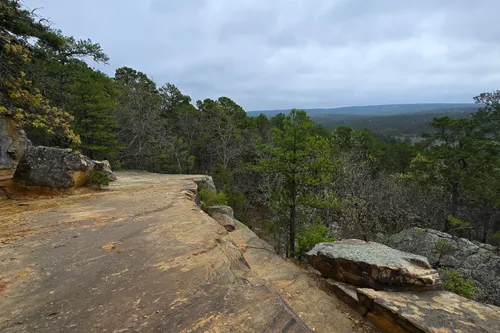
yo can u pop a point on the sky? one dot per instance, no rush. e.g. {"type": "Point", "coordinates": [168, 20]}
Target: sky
{"type": "Point", "coordinates": [279, 54]}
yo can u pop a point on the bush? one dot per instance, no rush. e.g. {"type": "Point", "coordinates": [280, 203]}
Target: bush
{"type": "Point", "coordinates": [314, 234]}
{"type": "Point", "coordinates": [456, 283]}
{"type": "Point", "coordinates": [212, 198]}
{"type": "Point", "coordinates": [98, 178]}
{"type": "Point", "coordinates": [495, 239]}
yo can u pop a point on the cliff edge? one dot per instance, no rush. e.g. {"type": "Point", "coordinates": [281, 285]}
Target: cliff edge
{"type": "Point", "coordinates": [142, 256]}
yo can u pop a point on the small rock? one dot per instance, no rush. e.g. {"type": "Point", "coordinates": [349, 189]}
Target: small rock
{"type": "Point", "coordinates": [224, 215]}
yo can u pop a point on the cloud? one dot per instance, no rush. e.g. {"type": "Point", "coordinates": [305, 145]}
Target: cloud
{"type": "Point", "coordinates": [302, 53]}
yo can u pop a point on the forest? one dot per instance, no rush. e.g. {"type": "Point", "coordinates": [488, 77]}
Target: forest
{"type": "Point", "coordinates": [294, 182]}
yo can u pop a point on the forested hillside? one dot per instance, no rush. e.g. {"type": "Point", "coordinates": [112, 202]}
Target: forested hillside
{"type": "Point", "coordinates": [402, 125]}
{"type": "Point", "coordinates": [291, 180]}
{"type": "Point", "coordinates": [375, 110]}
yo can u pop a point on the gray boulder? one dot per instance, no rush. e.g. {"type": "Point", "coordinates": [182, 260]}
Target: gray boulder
{"type": "Point", "coordinates": [53, 168]}
{"type": "Point", "coordinates": [104, 166]}
{"type": "Point", "coordinates": [13, 144]}
{"type": "Point", "coordinates": [224, 215]}
{"type": "Point", "coordinates": [478, 261]}
{"type": "Point", "coordinates": [57, 168]}
{"type": "Point", "coordinates": [372, 265]}
{"type": "Point", "coordinates": [206, 182]}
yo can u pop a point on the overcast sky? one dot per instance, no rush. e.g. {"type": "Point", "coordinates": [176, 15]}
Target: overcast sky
{"type": "Point", "coordinates": [268, 54]}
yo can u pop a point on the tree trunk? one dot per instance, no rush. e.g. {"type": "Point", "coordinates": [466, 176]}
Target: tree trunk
{"type": "Point", "coordinates": [454, 205]}
{"type": "Point", "coordinates": [293, 218]}
{"type": "Point", "coordinates": [486, 229]}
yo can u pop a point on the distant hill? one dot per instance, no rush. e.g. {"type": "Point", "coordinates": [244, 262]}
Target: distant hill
{"type": "Point", "coordinates": [389, 109]}
{"type": "Point", "coordinates": [396, 125]}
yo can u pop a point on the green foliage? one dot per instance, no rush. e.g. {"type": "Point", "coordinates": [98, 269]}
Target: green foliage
{"type": "Point", "coordinates": [20, 98]}
{"type": "Point", "coordinates": [444, 247]}
{"type": "Point", "coordinates": [92, 101]}
{"type": "Point", "coordinates": [495, 239]}
{"type": "Point", "coordinates": [98, 178]}
{"type": "Point", "coordinates": [212, 198]}
{"type": "Point", "coordinates": [461, 158]}
{"type": "Point", "coordinates": [303, 159]}
{"type": "Point", "coordinates": [457, 223]}
{"type": "Point", "coordinates": [456, 283]}
{"type": "Point", "coordinates": [315, 233]}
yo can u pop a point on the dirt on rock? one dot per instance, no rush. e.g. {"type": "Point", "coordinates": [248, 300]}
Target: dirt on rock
{"type": "Point", "coordinates": [142, 256]}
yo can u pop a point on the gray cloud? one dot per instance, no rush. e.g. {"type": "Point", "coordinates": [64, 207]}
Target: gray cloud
{"type": "Point", "coordinates": [302, 53]}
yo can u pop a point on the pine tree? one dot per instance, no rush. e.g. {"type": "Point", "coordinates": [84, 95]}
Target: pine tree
{"type": "Point", "coordinates": [92, 101]}
{"type": "Point", "coordinates": [303, 159]}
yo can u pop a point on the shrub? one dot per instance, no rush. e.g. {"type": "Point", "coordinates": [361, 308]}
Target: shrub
{"type": "Point", "coordinates": [98, 178]}
{"type": "Point", "coordinates": [456, 283]}
{"type": "Point", "coordinates": [212, 198]}
{"type": "Point", "coordinates": [495, 239]}
{"type": "Point", "coordinates": [314, 234]}
{"type": "Point", "coordinates": [444, 247]}
{"type": "Point", "coordinates": [457, 224]}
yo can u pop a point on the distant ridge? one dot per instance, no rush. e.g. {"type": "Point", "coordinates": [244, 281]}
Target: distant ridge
{"type": "Point", "coordinates": [388, 109]}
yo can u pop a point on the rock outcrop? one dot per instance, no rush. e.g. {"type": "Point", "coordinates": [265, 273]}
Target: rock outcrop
{"type": "Point", "coordinates": [428, 311]}
{"type": "Point", "coordinates": [56, 168]}
{"type": "Point", "coordinates": [145, 258]}
{"type": "Point", "coordinates": [416, 310]}
{"type": "Point", "coordinates": [205, 182]}
{"type": "Point", "coordinates": [224, 215]}
{"type": "Point", "coordinates": [480, 262]}
{"type": "Point", "coordinates": [372, 265]}
{"type": "Point", "coordinates": [13, 144]}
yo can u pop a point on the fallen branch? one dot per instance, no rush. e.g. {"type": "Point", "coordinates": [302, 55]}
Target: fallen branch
{"type": "Point", "coordinates": [6, 193]}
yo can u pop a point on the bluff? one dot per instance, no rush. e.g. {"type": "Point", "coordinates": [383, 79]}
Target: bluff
{"type": "Point", "coordinates": [142, 256]}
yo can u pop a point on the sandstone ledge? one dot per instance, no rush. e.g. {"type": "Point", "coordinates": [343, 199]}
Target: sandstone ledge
{"type": "Point", "coordinates": [142, 256]}
{"type": "Point", "coordinates": [428, 311]}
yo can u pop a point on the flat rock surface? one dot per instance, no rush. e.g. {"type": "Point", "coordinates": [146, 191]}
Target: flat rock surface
{"type": "Point", "coordinates": [429, 311]}
{"type": "Point", "coordinates": [142, 256]}
{"type": "Point", "coordinates": [371, 264]}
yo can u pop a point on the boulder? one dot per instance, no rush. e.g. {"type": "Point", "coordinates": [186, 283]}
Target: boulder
{"type": "Point", "coordinates": [224, 215]}
{"type": "Point", "coordinates": [205, 182]}
{"type": "Point", "coordinates": [428, 311]}
{"type": "Point", "coordinates": [478, 261]}
{"type": "Point", "coordinates": [57, 168]}
{"type": "Point", "coordinates": [53, 168]}
{"type": "Point", "coordinates": [13, 144]}
{"type": "Point", "coordinates": [372, 265]}
{"type": "Point", "coordinates": [104, 166]}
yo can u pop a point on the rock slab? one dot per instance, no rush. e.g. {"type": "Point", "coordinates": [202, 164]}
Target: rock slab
{"type": "Point", "coordinates": [372, 265]}
{"type": "Point", "coordinates": [13, 144]}
{"type": "Point", "coordinates": [429, 312]}
{"type": "Point", "coordinates": [144, 258]}
{"type": "Point", "coordinates": [478, 261]}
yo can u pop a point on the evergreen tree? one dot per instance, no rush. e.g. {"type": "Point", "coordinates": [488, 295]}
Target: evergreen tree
{"type": "Point", "coordinates": [303, 159]}
{"type": "Point", "coordinates": [92, 101]}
